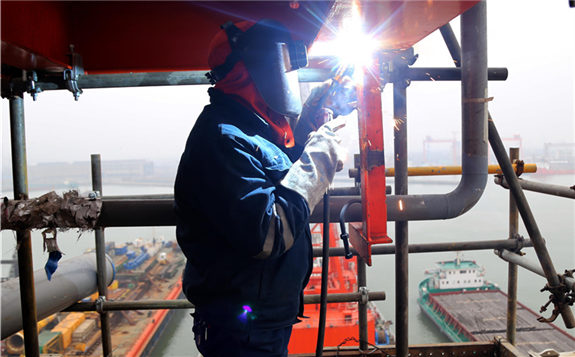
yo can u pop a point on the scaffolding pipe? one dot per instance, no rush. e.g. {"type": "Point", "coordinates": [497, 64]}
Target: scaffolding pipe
{"type": "Point", "coordinates": [27, 300]}
{"type": "Point", "coordinates": [55, 81]}
{"type": "Point", "coordinates": [549, 189]}
{"type": "Point", "coordinates": [401, 227]}
{"type": "Point", "coordinates": [530, 223]}
{"type": "Point", "coordinates": [185, 304]}
{"type": "Point", "coordinates": [512, 268]}
{"type": "Point", "coordinates": [100, 242]}
{"type": "Point", "coordinates": [520, 260]}
{"type": "Point", "coordinates": [436, 247]}
{"type": "Point", "coordinates": [450, 74]}
{"type": "Point", "coordinates": [362, 305]}
{"type": "Point", "coordinates": [521, 201]}
{"type": "Point", "coordinates": [324, 277]}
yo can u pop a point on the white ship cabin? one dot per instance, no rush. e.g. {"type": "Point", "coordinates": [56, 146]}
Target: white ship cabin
{"type": "Point", "coordinates": [458, 274]}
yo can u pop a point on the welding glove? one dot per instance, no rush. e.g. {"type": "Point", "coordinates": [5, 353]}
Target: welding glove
{"type": "Point", "coordinates": [321, 106]}
{"type": "Point", "coordinates": [311, 175]}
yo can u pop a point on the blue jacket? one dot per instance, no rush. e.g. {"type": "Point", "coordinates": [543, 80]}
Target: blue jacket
{"type": "Point", "coordinates": [245, 237]}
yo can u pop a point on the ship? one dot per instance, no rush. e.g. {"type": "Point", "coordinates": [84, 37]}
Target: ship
{"type": "Point", "coordinates": [342, 319]}
{"type": "Point", "coordinates": [145, 270]}
{"type": "Point", "coordinates": [466, 307]}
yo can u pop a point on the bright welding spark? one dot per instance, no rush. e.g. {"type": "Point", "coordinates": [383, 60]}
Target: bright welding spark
{"type": "Point", "coordinates": [351, 46]}
{"type": "Point", "coordinates": [400, 205]}
{"type": "Point", "coordinates": [397, 122]}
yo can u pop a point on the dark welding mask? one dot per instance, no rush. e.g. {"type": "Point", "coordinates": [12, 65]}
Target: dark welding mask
{"type": "Point", "coordinates": [271, 58]}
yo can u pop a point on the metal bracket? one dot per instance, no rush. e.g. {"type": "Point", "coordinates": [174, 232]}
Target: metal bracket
{"type": "Point", "coordinates": [71, 75]}
{"type": "Point", "coordinates": [393, 70]}
{"type": "Point", "coordinates": [375, 158]}
{"type": "Point", "coordinates": [559, 296]}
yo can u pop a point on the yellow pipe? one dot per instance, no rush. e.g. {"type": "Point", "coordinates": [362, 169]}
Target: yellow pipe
{"type": "Point", "coordinates": [453, 170]}
{"type": "Point", "coordinates": [15, 343]}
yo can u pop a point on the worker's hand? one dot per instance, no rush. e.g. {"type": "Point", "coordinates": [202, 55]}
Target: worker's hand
{"type": "Point", "coordinates": [312, 174]}
{"type": "Point", "coordinates": [321, 106]}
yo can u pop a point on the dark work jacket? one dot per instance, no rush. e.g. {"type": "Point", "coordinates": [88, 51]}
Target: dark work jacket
{"type": "Point", "coordinates": [226, 190]}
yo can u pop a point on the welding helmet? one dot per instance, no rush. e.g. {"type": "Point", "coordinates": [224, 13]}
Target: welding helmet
{"type": "Point", "coordinates": [271, 58]}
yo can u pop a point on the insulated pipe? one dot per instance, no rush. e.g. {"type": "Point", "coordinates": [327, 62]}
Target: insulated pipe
{"type": "Point", "coordinates": [474, 133]}
{"type": "Point", "coordinates": [74, 280]}
{"type": "Point", "coordinates": [27, 304]}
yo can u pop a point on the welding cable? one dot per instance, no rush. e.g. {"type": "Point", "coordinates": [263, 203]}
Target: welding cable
{"type": "Point", "coordinates": [324, 277]}
{"type": "Point", "coordinates": [344, 235]}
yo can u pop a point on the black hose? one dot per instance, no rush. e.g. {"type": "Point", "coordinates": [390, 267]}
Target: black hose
{"type": "Point", "coordinates": [324, 277]}
{"type": "Point", "coordinates": [344, 235]}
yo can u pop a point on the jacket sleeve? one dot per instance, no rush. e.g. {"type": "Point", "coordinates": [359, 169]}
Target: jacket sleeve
{"type": "Point", "coordinates": [242, 199]}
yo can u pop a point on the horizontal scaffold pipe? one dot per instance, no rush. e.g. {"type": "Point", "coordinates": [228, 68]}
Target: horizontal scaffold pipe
{"type": "Point", "coordinates": [450, 74]}
{"type": "Point", "coordinates": [185, 304]}
{"type": "Point", "coordinates": [383, 249]}
{"type": "Point", "coordinates": [55, 81]}
{"type": "Point", "coordinates": [550, 189]}
{"type": "Point", "coordinates": [529, 265]}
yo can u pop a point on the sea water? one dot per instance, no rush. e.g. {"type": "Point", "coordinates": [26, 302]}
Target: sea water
{"type": "Point", "coordinates": [487, 220]}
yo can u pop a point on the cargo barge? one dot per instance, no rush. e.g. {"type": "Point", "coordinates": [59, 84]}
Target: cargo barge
{"type": "Point", "coordinates": [144, 270]}
{"type": "Point", "coordinates": [465, 307]}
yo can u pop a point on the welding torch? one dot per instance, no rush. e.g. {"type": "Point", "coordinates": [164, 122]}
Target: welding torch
{"type": "Point", "coordinates": [337, 93]}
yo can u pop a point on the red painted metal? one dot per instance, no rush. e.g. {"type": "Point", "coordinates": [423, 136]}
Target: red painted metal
{"type": "Point", "coordinates": [372, 168]}
{"type": "Point", "coordinates": [35, 34]}
{"type": "Point", "coordinates": [136, 36]}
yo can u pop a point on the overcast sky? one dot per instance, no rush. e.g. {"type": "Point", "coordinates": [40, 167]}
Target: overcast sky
{"type": "Point", "coordinates": [532, 38]}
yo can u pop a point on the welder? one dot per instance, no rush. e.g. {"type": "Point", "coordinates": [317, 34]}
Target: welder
{"type": "Point", "coordinates": [245, 187]}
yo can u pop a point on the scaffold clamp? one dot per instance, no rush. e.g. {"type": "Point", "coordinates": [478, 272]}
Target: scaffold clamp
{"type": "Point", "coordinates": [71, 75]}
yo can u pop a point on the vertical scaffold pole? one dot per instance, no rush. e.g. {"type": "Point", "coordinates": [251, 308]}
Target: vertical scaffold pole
{"type": "Point", "coordinates": [362, 305]}
{"type": "Point", "coordinates": [401, 227]}
{"type": "Point", "coordinates": [101, 260]}
{"type": "Point", "coordinates": [512, 270]}
{"type": "Point", "coordinates": [24, 240]}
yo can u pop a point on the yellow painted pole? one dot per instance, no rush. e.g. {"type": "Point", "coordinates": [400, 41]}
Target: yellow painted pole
{"type": "Point", "coordinates": [453, 170]}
